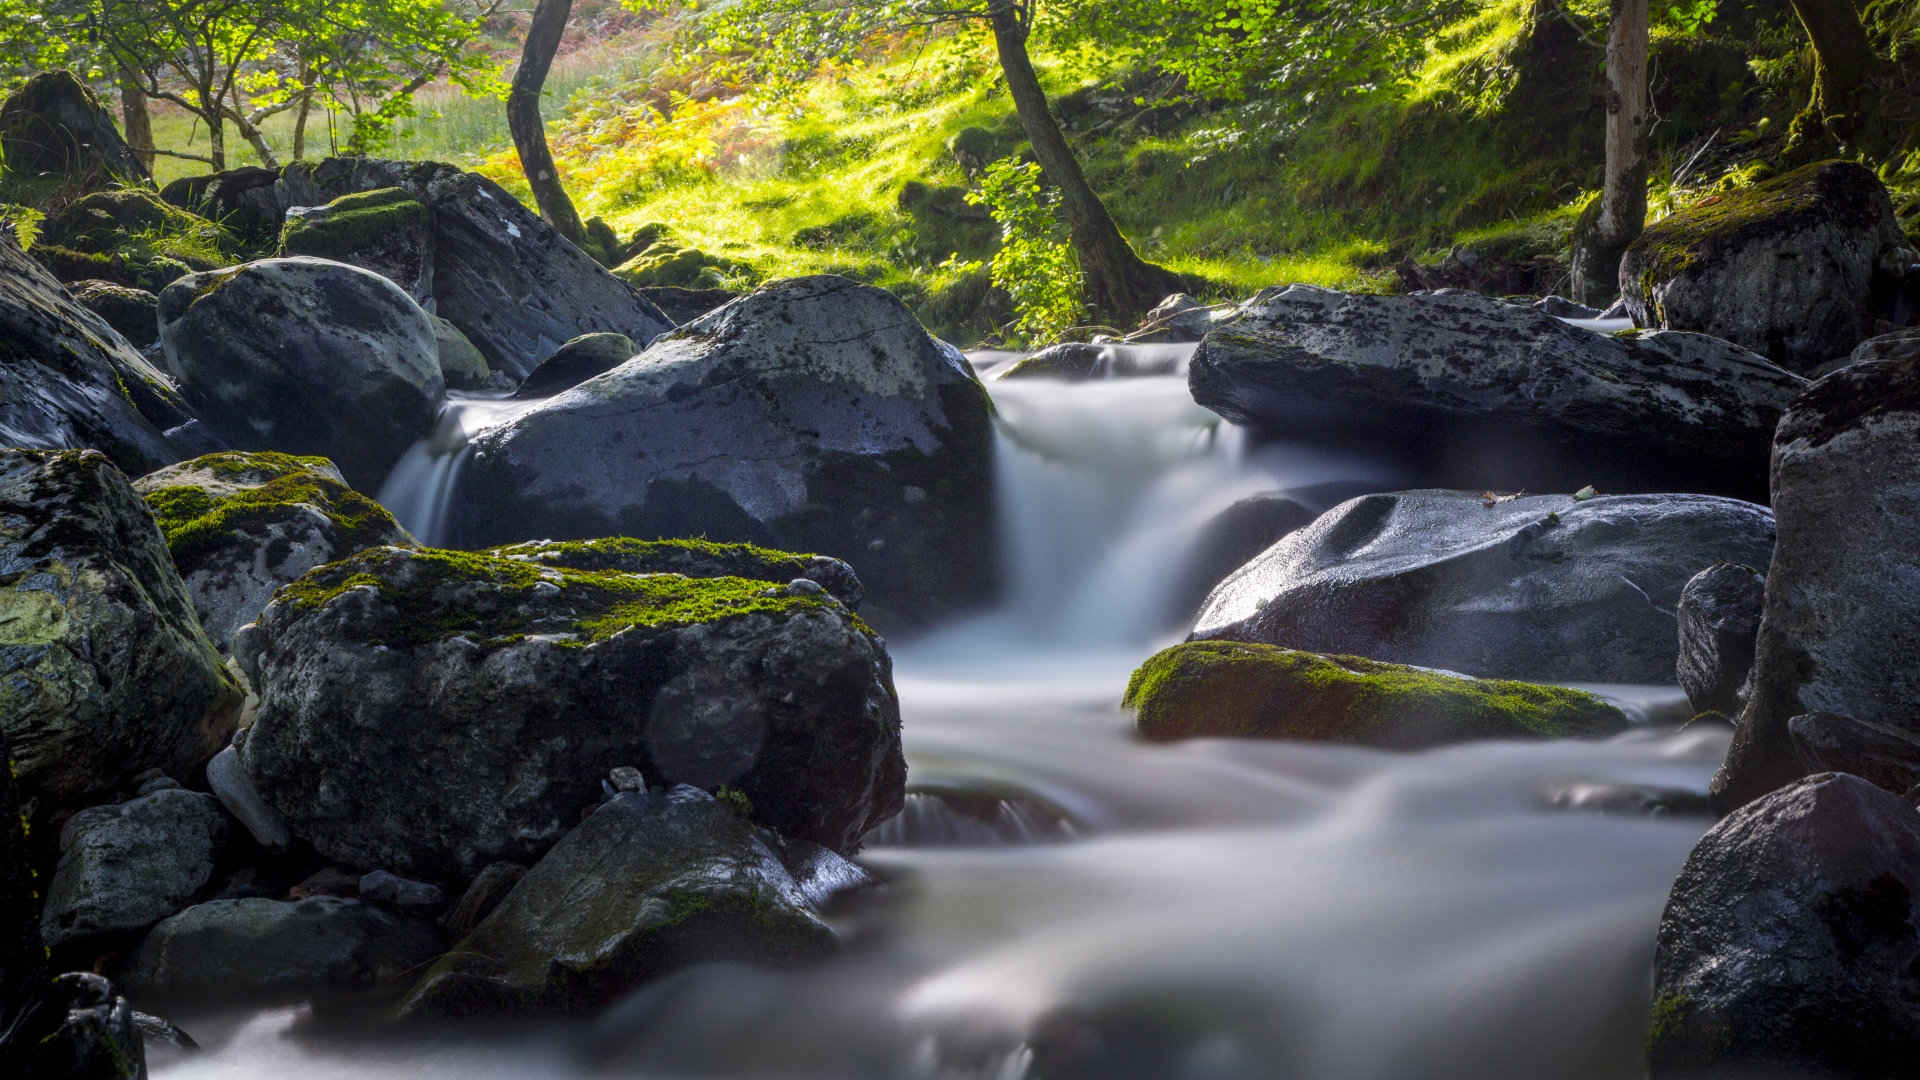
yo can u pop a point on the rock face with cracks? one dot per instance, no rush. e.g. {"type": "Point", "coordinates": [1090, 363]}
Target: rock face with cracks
{"type": "Point", "coordinates": [127, 866]}
{"type": "Point", "coordinates": [1719, 615]}
{"type": "Point", "coordinates": [430, 712]}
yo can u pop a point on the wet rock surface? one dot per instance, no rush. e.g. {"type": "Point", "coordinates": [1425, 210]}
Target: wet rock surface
{"type": "Point", "coordinates": [1719, 616]}
{"type": "Point", "coordinates": [126, 866]}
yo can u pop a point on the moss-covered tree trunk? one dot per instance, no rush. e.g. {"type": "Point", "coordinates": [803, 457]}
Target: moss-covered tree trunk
{"type": "Point", "coordinates": [1615, 220]}
{"type": "Point", "coordinates": [1843, 66]}
{"type": "Point", "coordinates": [135, 118]}
{"type": "Point", "coordinates": [1120, 285]}
{"type": "Point", "coordinates": [529, 132]}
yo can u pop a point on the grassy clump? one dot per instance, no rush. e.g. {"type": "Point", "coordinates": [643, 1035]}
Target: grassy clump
{"type": "Point", "coordinates": [1236, 689]}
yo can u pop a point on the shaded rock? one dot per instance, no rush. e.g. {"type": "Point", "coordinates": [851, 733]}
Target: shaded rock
{"type": "Point", "coordinates": [1719, 616]}
{"type": "Point", "coordinates": [1234, 536]}
{"type": "Point", "coordinates": [1539, 587]}
{"type": "Point", "coordinates": [1472, 392]}
{"type": "Point", "coordinates": [104, 671]}
{"type": "Point", "coordinates": [135, 313]}
{"type": "Point", "coordinates": [685, 305]}
{"type": "Point", "coordinates": [1788, 945]}
{"type": "Point", "coordinates": [126, 866]}
{"type": "Point", "coordinates": [1882, 755]}
{"type": "Point", "coordinates": [1239, 690]}
{"type": "Point", "coordinates": [22, 956]}
{"type": "Point", "coordinates": [68, 380]}
{"type": "Point", "coordinates": [240, 525]}
{"type": "Point", "coordinates": [254, 950]}
{"type": "Point", "coordinates": [229, 782]}
{"type": "Point", "coordinates": [1562, 308]}
{"type": "Point", "coordinates": [695, 559]}
{"type": "Point", "coordinates": [386, 231]}
{"type": "Point", "coordinates": [645, 885]}
{"type": "Point", "coordinates": [1177, 318]}
{"type": "Point", "coordinates": [430, 712]}
{"type": "Point", "coordinates": [1841, 624]}
{"type": "Point", "coordinates": [54, 128]}
{"type": "Point", "coordinates": [575, 362]}
{"type": "Point", "coordinates": [382, 887]}
{"type": "Point", "coordinates": [1784, 268]}
{"type": "Point", "coordinates": [462, 365]}
{"type": "Point", "coordinates": [243, 200]}
{"type": "Point", "coordinates": [490, 886]}
{"type": "Point", "coordinates": [1070, 361]}
{"type": "Point", "coordinates": [77, 1027]}
{"type": "Point", "coordinates": [306, 356]}
{"type": "Point", "coordinates": [812, 415]}
{"type": "Point", "coordinates": [1898, 345]}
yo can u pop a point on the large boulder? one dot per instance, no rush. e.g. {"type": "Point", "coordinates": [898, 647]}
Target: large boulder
{"type": "Point", "coordinates": [504, 276]}
{"type": "Point", "coordinates": [69, 381]}
{"type": "Point", "coordinates": [429, 712]}
{"type": "Point", "coordinates": [1472, 392]}
{"type": "Point", "coordinates": [104, 671]}
{"type": "Point", "coordinates": [242, 199]}
{"type": "Point", "coordinates": [1785, 268]}
{"type": "Point", "coordinates": [1538, 587]}
{"type": "Point", "coordinates": [1239, 690]}
{"type": "Point", "coordinates": [813, 415]}
{"type": "Point", "coordinates": [54, 127]}
{"type": "Point", "coordinates": [306, 356]}
{"type": "Point", "coordinates": [126, 866]}
{"type": "Point", "coordinates": [1788, 945]}
{"type": "Point", "coordinates": [576, 362]}
{"type": "Point", "coordinates": [385, 230]}
{"type": "Point", "coordinates": [1719, 616]}
{"type": "Point", "coordinates": [132, 237]}
{"type": "Point", "coordinates": [1841, 624]}
{"type": "Point", "coordinates": [241, 525]}
{"type": "Point", "coordinates": [648, 883]}
{"type": "Point", "coordinates": [133, 312]}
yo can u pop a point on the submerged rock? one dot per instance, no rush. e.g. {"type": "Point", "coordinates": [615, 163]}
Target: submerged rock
{"type": "Point", "coordinates": [1788, 945]}
{"type": "Point", "coordinates": [647, 884]}
{"type": "Point", "coordinates": [127, 866]}
{"type": "Point", "coordinates": [306, 356]}
{"type": "Point", "coordinates": [1538, 587]}
{"type": "Point", "coordinates": [1475, 392]}
{"type": "Point", "coordinates": [241, 525]}
{"type": "Point", "coordinates": [812, 415]}
{"type": "Point", "coordinates": [1719, 617]}
{"type": "Point", "coordinates": [1785, 268]}
{"type": "Point", "coordinates": [1239, 690]}
{"type": "Point", "coordinates": [1070, 361]}
{"type": "Point", "coordinates": [429, 712]}
{"type": "Point", "coordinates": [104, 671]}
{"type": "Point", "coordinates": [1841, 625]}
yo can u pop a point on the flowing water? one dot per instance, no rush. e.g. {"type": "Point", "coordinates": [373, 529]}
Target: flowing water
{"type": "Point", "coordinates": [1061, 898]}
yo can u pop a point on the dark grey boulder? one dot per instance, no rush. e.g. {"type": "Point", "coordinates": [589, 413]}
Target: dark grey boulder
{"type": "Point", "coordinates": [430, 712]}
{"type": "Point", "coordinates": [1234, 536]}
{"type": "Point", "coordinates": [1785, 268]}
{"type": "Point", "coordinates": [812, 415]}
{"type": "Point", "coordinates": [1788, 945]}
{"type": "Point", "coordinates": [1883, 755]}
{"type": "Point", "coordinates": [647, 884]}
{"type": "Point", "coordinates": [255, 951]}
{"type": "Point", "coordinates": [386, 231]}
{"type": "Point", "coordinates": [306, 356]}
{"type": "Point", "coordinates": [462, 365]}
{"type": "Point", "coordinates": [1719, 616]}
{"type": "Point", "coordinates": [1540, 587]}
{"type": "Point", "coordinates": [68, 380]}
{"type": "Point", "coordinates": [1841, 626]}
{"type": "Point", "coordinates": [54, 128]}
{"type": "Point", "coordinates": [1898, 345]}
{"type": "Point", "coordinates": [575, 362]}
{"type": "Point", "coordinates": [133, 312]}
{"type": "Point", "coordinates": [104, 671]}
{"type": "Point", "coordinates": [484, 893]}
{"type": "Point", "coordinates": [383, 887]}
{"type": "Point", "coordinates": [685, 305]}
{"type": "Point", "coordinates": [241, 199]}
{"type": "Point", "coordinates": [126, 866]}
{"type": "Point", "coordinates": [76, 1027]}
{"type": "Point", "coordinates": [229, 782]}
{"type": "Point", "coordinates": [1070, 361]}
{"type": "Point", "coordinates": [1178, 318]}
{"type": "Point", "coordinates": [1472, 392]}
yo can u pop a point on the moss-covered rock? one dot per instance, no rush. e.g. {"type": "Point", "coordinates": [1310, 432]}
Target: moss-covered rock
{"type": "Point", "coordinates": [133, 312]}
{"type": "Point", "coordinates": [240, 525]}
{"type": "Point", "coordinates": [132, 237]}
{"type": "Point", "coordinates": [433, 711]}
{"type": "Point", "coordinates": [693, 558]}
{"type": "Point", "coordinates": [54, 126]}
{"type": "Point", "coordinates": [1219, 688]}
{"type": "Point", "coordinates": [462, 365]}
{"type": "Point", "coordinates": [104, 220]}
{"type": "Point", "coordinates": [385, 230]}
{"type": "Point", "coordinates": [669, 263]}
{"type": "Point", "coordinates": [577, 361]}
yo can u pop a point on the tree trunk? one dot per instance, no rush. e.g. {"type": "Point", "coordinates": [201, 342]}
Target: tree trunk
{"type": "Point", "coordinates": [1843, 65]}
{"type": "Point", "coordinates": [255, 138]}
{"type": "Point", "coordinates": [1120, 285]}
{"type": "Point", "coordinates": [1606, 229]}
{"type": "Point", "coordinates": [300, 125]}
{"type": "Point", "coordinates": [523, 119]}
{"type": "Point", "coordinates": [216, 139]}
{"type": "Point", "coordinates": [135, 117]}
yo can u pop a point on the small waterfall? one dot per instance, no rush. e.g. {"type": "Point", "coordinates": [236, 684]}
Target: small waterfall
{"type": "Point", "coordinates": [419, 490]}
{"type": "Point", "coordinates": [970, 819]}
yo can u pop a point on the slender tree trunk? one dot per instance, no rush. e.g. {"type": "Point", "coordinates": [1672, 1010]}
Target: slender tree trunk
{"type": "Point", "coordinates": [135, 117]}
{"type": "Point", "coordinates": [1120, 285]}
{"type": "Point", "coordinates": [216, 137]}
{"type": "Point", "coordinates": [300, 124]}
{"type": "Point", "coordinates": [1843, 64]}
{"type": "Point", "coordinates": [523, 119]}
{"type": "Point", "coordinates": [1606, 229]}
{"type": "Point", "coordinates": [255, 138]}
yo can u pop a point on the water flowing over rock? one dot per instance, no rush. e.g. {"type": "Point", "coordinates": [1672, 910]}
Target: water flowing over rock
{"type": "Point", "coordinates": [504, 276]}
{"type": "Point", "coordinates": [430, 712]}
{"type": "Point", "coordinates": [1785, 268]}
{"type": "Point", "coordinates": [1841, 625]}
{"type": "Point", "coordinates": [69, 381]}
{"type": "Point", "coordinates": [1537, 587]}
{"type": "Point", "coordinates": [53, 126]}
{"type": "Point", "coordinates": [1473, 392]}
{"type": "Point", "coordinates": [812, 415]}
{"type": "Point", "coordinates": [126, 866]}
{"type": "Point", "coordinates": [306, 356]}
{"type": "Point", "coordinates": [1719, 616]}
{"type": "Point", "coordinates": [1788, 945]}
{"type": "Point", "coordinates": [104, 671]}
{"type": "Point", "coordinates": [648, 883]}
{"type": "Point", "coordinates": [241, 525]}
{"type": "Point", "coordinates": [1240, 690]}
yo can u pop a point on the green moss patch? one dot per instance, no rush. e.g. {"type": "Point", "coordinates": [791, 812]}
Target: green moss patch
{"type": "Point", "coordinates": [694, 558]}
{"type": "Point", "coordinates": [1236, 689]}
{"type": "Point", "coordinates": [253, 491]}
{"type": "Point", "coordinates": [1836, 190]}
{"type": "Point", "coordinates": [354, 223]}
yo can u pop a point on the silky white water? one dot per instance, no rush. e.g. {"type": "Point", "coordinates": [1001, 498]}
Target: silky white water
{"type": "Point", "coordinates": [1212, 909]}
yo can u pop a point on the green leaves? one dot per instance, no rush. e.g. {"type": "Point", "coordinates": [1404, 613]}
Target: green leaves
{"type": "Point", "coordinates": [1035, 264]}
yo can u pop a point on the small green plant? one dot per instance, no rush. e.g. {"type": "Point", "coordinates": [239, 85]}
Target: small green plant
{"type": "Point", "coordinates": [1035, 264]}
{"type": "Point", "coordinates": [737, 801]}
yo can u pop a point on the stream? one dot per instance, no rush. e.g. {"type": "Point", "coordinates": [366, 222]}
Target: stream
{"type": "Point", "coordinates": [1061, 898]}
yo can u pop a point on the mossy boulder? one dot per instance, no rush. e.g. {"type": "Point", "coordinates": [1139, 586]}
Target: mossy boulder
{"type": "Point", "coordinates": [53, 127]}
{"type": "Point", "coordinates": [1239, 690]}
{"type": "Point", "coordinates": [104, 671]}
{"type": "Point", "coordinates": [385, 230]}
{"type": "Point", "coordinates": [240, 525]}
{"type": "Point", "coordinates": [243, 200]}
{"type": "Point", "coordinates": [133, 312]}
{"type": "Point", "coordinates": [430, 712]}
{"type": "Point", "coordinates": [648, 883]}
{"type": "Point", "coordinates": [131, 237]}
{"type": "Point", "coordinates": [1070, 361]}
{"type": "Point", "coordinates": [693, 558]}
{"type": "Point", "coordinates": [462, 365]}
{"type": "Point", "coordinates": [1786, 267]}
{"type": "Point", "coordinates": [104, 221]}
{"type": "Point", "coordinates": [669, 263]}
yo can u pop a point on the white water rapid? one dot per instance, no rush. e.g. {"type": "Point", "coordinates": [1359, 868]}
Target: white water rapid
{"type": "Point", "coordinates": [1063, 898]}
